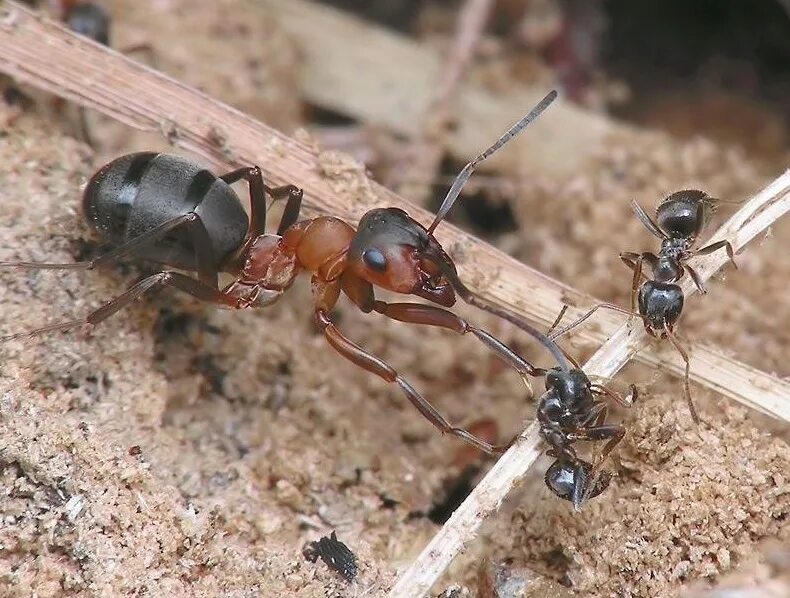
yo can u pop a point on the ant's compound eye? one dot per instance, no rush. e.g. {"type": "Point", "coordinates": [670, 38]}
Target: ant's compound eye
{"type": "Point", "coordinates": [375, 260]}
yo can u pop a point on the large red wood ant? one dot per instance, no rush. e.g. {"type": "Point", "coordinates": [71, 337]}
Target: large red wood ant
{"type": "Point", "coordinates": [173, 211]}
{"type": "Point", "coordinates": [681, 218]}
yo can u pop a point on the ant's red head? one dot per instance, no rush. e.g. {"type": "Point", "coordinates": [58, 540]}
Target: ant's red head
{"type": "Point", "coordinates": [393, 251]}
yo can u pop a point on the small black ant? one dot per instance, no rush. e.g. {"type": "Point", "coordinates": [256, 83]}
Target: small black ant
{"type": "Point", "coordinates": [173, 211]}
{"type": "Point", "coordinates": [569, 412]}
{"type": "Point", "coordinates": [681, 218]}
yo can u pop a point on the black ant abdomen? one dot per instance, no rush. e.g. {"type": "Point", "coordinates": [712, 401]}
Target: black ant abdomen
{"type": "Point", "coordinates": [683, 214]}
{"type": "Point", "coordinates": [136, 193]}
{"type": "Point", "coordinates": [569, 480]}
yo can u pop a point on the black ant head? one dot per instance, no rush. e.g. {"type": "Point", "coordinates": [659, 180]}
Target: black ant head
{"type": "Point", "coordinates": [570, 481]}
{"type": "Point", "coordinates": [572, 387]}
{"type": "Point", "coordinates": [684, 213]}
{"type": "Point", "coordinates": [661, 303]}
{"type": "Point", "coordinates": [393, 251]}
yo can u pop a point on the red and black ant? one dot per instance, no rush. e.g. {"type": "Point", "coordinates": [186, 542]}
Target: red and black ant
{"type": "Point", "coordinates": [681, 218]}
{"type": "Point", "coordinates": [173, 211]}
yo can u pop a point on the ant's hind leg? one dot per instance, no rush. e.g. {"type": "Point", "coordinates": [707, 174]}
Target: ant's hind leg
{"type": "Point", "coordinates": [686, 386]}
{"type": "Point", "coordinates": [147, 285]}
{"type": "Point", "coordinates": [204, 252]}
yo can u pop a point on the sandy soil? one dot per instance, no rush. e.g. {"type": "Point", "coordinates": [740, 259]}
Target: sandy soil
{"type": "Point", "coordinates": [182, 450]}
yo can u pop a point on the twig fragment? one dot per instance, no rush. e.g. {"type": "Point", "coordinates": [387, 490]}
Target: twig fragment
{"type": "Point", "coordinates": [423, 156]}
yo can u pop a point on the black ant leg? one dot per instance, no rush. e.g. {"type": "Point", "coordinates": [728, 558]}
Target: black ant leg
{"type": "Point", "coordinates": [204, 252]}
{"type": "Point", "coordinates": [717, 245]}
{"type": "Point", "coordinates": [152, 283]}
{"type": "Point", "coordinates": [647, 220]}
{"type": "Point", "coordinates": [626, 401]}
{"type": "Point", "coordinates": [429, 315]}
{"type": "Point", "coordinates": [573, 325]}
{"type": "Point", "coordinates": [580, 486]}
{"type": "Point", "coordinates": [686, 387]}
{"type": "Point", "coordinates": [557, 320]}
{"type": "Point", "coordinates": [634, 261]}
{"type": "Point", "coordinates": [695, 277]}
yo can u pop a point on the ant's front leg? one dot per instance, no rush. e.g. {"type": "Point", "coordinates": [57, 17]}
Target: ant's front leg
{"type": "Point", "coordinates": [429, 315]}
{"type": "Point", "coordinates": [325, 296]}
{"type": "Point", "coordinates": [625, 401]}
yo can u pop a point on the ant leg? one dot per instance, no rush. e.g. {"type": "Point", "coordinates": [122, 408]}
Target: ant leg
{"type": "Point", "coordinates": [635, 261]}
{"type": "Point", "coordinates": [580, 487]}
{"type": "Point", "coordinates": [362, 358]}
{"type": "Point", "coordinates": [204, 252]}
{"type": "Point", "coordinates": [573, 325]}
{"type": "Point", "coordinates": [717, 245]}
{"type": "Point", "coordinates": [152, 283]}
{"type": "Point", "coordinates": [695, 278]}
{"type": "Point", "coordinates": [614, 433]}
{"type": "Point", "coordinates": [429, 315]}
{"type": "Point", "coordinates": [686, 388]}
{"type": "Point", "coordinates": [254, 178]}
{"type": "Point", "coordinates": [557, 320]}
{"type": "Point", "coordinates": [293, 205]}
{"type": "Point", "coordinates": [618, 398]}
{"type": "Point", "coordinates": [647, 220]}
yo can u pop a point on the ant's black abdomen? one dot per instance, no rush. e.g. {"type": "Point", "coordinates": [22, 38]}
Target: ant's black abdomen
{"type": "Point", "coordinates": [562, 477]}
{"type": "Point", "coordinates": [137, 192]}
{"type": "Point", "coordinates": [683, 214]}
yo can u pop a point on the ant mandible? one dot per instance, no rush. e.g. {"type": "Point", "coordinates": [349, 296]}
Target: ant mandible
{"type": "Point", "coordinates": [681, 218]}
{"type": "Point", "coordinates": [171, 210]}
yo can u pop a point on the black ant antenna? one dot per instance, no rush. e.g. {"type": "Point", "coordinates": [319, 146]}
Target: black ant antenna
{"type": "Point", "coordinates": [466, 171]}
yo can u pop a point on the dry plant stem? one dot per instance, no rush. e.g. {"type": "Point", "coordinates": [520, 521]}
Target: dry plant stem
{"type": "Point", "coordinates": [422, 158]}
{"type": "Point", "coordinates": [756, 216]}
{"type": "Point", "coordinates": [42, 53]}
